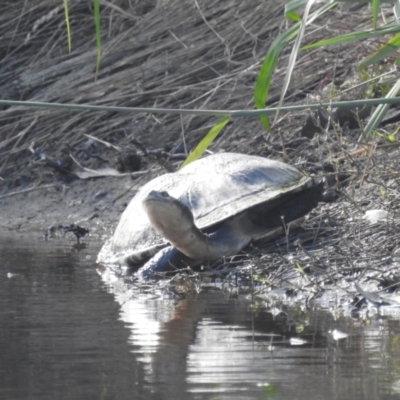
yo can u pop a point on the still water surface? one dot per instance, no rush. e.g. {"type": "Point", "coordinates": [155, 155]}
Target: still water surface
{"type": "Point", "coordinates": [71, 330]}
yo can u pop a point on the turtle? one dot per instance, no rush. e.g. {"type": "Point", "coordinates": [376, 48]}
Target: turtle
{"type": "Point", "coordinates": [210, 209]}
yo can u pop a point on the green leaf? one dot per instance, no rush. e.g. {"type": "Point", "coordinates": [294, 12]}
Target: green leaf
{"type": "Point", "coordinates": [388, 48]}
{"type": "Point", "coordinates": [264, 81]}
{"type": "Point", "coordinates": [267, 70]}
{"type": "Point", "coordinates": [301, 270]}
{"type": "Point", "coordinates": [271, 59]}
{"type": "Point", "coordinates": [293, 16]}
{"type": "Point", "coordinates": [68, 25]}
{"type": "Point", "coordinates": [206, 141]}
{"type": "Point", "coordinates": [379, 113]}
{"type": "Point", "coordinates": [96, 4]}
{"type": "Point", "coordinates": [299, 37]}
{"type": "Point", "coordinates": [353, 36]}
{"type": "Point", "coordinates": [396, 10]}
{"type": "Point", "coordinates": [363, 1]}
{"type": "Point", "coordinates": [375, 10]}
{"type": "Point", "coordinates": [293, 54]}
{"type": "Point", "coordinates": [294, 5]}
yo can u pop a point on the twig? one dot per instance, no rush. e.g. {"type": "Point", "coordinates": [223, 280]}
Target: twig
{"type": "Point", "coordinates": [26, 191]}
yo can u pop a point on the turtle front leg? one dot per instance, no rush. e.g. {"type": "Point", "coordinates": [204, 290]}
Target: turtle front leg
{"type": "Point", "coordinates": [167, 260]}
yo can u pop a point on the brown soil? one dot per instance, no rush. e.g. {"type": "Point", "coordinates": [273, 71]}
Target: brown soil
{"type": "Point", "coordinates": [177, 54]}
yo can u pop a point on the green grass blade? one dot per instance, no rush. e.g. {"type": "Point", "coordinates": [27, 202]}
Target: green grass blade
{"type": "Point", "coordinates": [388, 48]}
{"type": "Point", "coordinates": [379, 113]}
{"type": "Point", "coordinates": [206, 141]}
{"type": "Point", "coordinates": [375, 10]}
{"type": "Point", "coordinates": [364, 1]}
{"type": "Point", "coordinates": [271, 59]}
{"type": "Point", "coordinates": [96, 4]}
{"type": "Point", "coordinates": [293, 54]}
{"type": "Point", "coordinates": [267, 70]}
{"type": "Point", "coordinates": [396, 10]}
{"type": "Point", "coordinates": [293, 16]}
{"type": "Point", "coordinates": [68, 25]}
{"type": "Point", "coordinates": [301, 270]}
{"type": "Point", "coordinates": [353, 36]}
{"type": "Point", "coordinates": [339, 40]}
{"type": "Point", "coordinates": [294, 5]}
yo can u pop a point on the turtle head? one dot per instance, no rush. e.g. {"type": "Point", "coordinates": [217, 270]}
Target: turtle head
{"type": "Point", "coordinates": [175, 222]}
{"type": "Point", "coordinates": [169, 217]}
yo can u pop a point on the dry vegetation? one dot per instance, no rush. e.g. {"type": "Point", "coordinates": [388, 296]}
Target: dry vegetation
{"type": "Point", "coordinates": [172, 54]}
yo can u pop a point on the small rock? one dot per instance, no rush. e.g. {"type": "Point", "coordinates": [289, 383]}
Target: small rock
{"type": "Point", "coordinates": [338, 335]}
{"type": "Point", "coordinates": [373, 216]}
{"type": "Point", "coordinates": [294, 341]}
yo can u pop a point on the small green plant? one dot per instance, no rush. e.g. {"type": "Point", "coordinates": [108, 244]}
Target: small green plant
{"type": "Point", "coordinates": [206, 141]}
{"type": "Point", "coordinates": [295, 35]}
{"type": "Point", "coordinates": [68, 25]}
{"type": "Point", "coordinates": [96, 5]}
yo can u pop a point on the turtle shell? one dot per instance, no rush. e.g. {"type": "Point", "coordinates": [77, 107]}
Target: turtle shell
{"type": "Point", "coordinates": [215, 188]}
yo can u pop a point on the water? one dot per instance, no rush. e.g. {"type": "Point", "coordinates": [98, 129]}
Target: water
{"type": "Point", "coordinates": [69, 330]}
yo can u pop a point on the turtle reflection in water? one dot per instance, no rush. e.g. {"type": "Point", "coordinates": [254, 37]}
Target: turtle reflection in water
{"type": "Point", "coordinates": [212, 208]}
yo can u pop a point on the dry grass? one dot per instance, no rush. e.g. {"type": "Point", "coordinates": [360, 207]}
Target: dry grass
{"type": "Point", "coordinates": [155, 54]}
